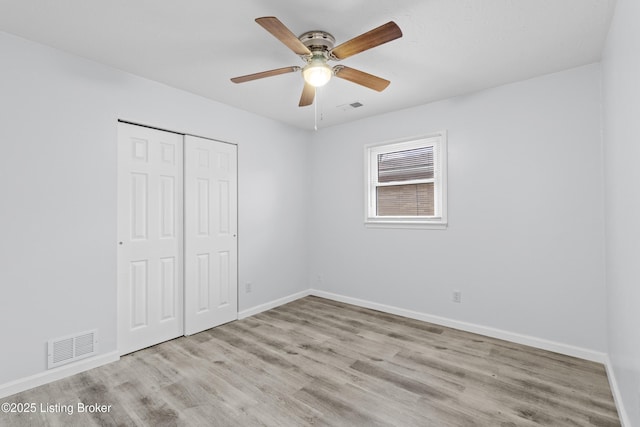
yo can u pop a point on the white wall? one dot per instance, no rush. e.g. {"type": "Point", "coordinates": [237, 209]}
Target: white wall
{"type": "Point", "coordinates": [621, 88]}
{"type": "Point", "coordinates": [58, 121]}
{"type": "Point", "coordinates": [525, 237]}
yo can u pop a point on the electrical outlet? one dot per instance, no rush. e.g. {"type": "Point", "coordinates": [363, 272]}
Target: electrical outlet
{"type": "Point", "coordinates": [457, 296]}
{"type": "Point", "coordinates": [247, 287]}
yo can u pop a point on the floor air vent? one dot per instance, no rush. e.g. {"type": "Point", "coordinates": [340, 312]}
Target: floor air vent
{"type": "Point", "coordinates": [71, 348]}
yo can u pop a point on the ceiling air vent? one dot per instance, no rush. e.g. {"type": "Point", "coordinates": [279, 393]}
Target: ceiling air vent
{"type": "Point", "coordinates": [351, 106]}
{"type": "Point", "coordinates": [61, 351]}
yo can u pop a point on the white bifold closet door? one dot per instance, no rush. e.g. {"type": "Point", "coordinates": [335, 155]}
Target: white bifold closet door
{"type": "Point", "coordinates": [177, 235]}
{"type": "Point", "coordinates": [211, 224]}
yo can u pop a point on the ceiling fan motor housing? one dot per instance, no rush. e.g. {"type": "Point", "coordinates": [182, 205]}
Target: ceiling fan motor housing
{"type": "Point", "coordinates": [318, 41]}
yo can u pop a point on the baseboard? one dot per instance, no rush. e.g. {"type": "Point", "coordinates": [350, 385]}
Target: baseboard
{"type": "Point", "coordinates": [51, 375]}
{"type": "Point", "coordinates": [617, 397]}
{"type": "Point", "coordinates": [540, 343]}
{"type": "Point", "coordinates": [272, 304]}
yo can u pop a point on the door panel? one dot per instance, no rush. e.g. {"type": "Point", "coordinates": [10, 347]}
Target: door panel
{"type": "Point", "coordinates": [211, 263]}
{"type": "Point", "coordinates": [150, 237]}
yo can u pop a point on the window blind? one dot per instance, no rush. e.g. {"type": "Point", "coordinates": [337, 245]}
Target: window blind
{"type": "Point", "coordinates": [406, 165]}
{"type": "Point", "coordinates": [403, 198]}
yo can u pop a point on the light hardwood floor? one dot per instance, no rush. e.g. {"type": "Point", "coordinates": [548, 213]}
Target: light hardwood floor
{"type": "Point", "coordinates": [320, 362]}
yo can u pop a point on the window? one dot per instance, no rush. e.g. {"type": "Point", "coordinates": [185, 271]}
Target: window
{"type": "Point", "coordinates": [406, 183]}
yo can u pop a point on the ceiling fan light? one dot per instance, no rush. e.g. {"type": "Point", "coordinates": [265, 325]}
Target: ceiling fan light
{"type": "Point", "coordinates": [317, 73]}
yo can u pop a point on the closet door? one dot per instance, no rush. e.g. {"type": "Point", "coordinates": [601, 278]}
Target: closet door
{"type": "Point", "coordinates": [150, 237]}
{"type": "Point", "coordinates": [211, 247]}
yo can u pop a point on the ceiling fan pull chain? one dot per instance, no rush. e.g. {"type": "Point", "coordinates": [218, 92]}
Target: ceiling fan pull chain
{"type": "Point", "coordinates": [315, 108]}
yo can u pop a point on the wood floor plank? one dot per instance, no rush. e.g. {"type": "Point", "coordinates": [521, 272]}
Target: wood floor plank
{"type": "Point", "coordinates": [325, 363]}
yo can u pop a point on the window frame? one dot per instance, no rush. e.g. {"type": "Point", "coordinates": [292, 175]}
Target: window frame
{"type": "Point", "coordinates": [439, 221]}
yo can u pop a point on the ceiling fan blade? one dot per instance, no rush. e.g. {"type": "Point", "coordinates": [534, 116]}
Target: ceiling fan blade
{"type": "Point", "coordinates": [282, 33]}
{"type": "Point", "coordinates": [361, 78]}
{"type": "Point", "coordinates": [264, 74]}
{"type": "Point", "coordinates": [308, 93]}
{"type": "Point", "coordinates": [380, 35]}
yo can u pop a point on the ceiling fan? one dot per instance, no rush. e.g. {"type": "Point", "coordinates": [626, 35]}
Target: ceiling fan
{"type": "Point", "coordinates": [316, 49]}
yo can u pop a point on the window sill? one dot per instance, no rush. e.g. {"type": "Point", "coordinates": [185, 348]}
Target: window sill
{"type": "Point", "coordinates": [423, 225]}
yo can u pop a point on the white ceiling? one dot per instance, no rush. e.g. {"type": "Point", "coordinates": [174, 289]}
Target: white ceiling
{"type": "Point", "coordinates": [449, 47]}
